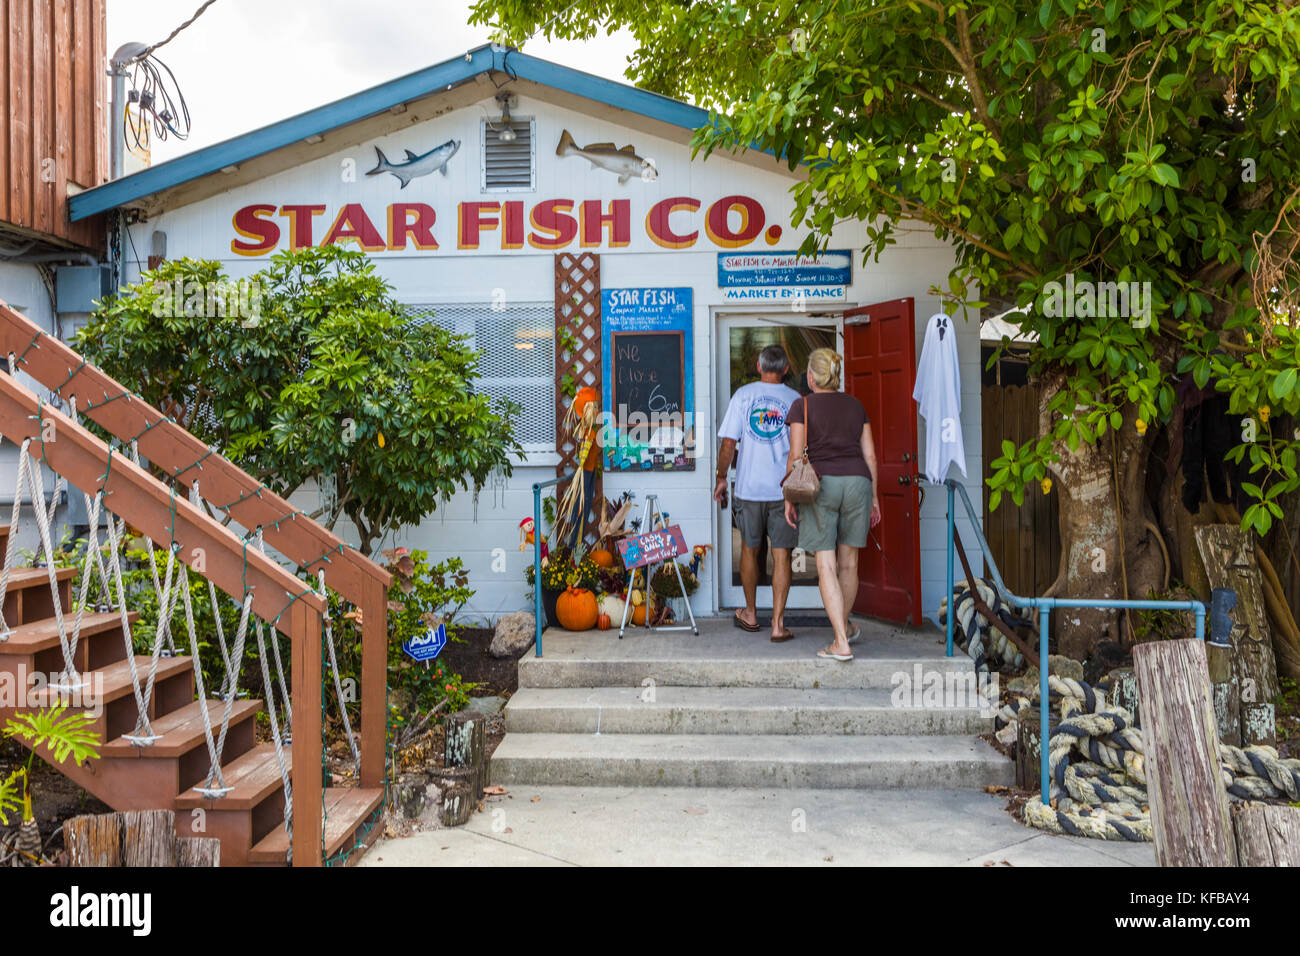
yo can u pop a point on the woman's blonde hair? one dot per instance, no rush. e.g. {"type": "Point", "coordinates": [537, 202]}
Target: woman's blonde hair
{"type": "Point", "coordinates": [825, 367]}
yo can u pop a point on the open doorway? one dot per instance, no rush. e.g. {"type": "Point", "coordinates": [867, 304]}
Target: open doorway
{"type": "Point", "coordinates": [740, 339]}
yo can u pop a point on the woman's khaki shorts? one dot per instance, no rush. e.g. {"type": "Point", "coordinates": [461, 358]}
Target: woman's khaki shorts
{"type": "Point", "coordinates": [840, 515]}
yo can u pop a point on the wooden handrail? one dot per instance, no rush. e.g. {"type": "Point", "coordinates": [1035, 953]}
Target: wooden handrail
{"type": "Point", "coordinates": [149, 505]}
{"type": "Point", "coordinates": [214, 551]}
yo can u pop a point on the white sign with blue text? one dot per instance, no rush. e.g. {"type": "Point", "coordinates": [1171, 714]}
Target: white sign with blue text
{"type": "Point", "coordinates": [784, 276]}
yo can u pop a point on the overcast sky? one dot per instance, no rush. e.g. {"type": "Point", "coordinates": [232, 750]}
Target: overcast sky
{"type": "Point", "coordinates": [248, 63]}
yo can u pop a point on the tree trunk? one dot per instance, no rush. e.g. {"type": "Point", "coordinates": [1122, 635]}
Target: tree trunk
{"type": "Point", "coordinates": [1093, 558]}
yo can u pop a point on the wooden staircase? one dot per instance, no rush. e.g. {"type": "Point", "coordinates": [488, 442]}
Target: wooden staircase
{"type": "Point", "coordinates": [249, 820]}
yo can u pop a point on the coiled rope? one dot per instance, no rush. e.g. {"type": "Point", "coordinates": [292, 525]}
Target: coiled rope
{"type": "Point", "coordinates": [1096, 763]}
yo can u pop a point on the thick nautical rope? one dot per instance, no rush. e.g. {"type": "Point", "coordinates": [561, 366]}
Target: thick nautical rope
{"type": "Point", "coordinates": [143, 735]}
{"type": "Point", "coordinates": [338, 684]}
{"type": "Point", "coordinates": [279, 741]}
{"type": "Point", "coordinates": [199, 503]}
{"type": "Point", "coordinates": [977, 636]}
{"type": "Point", "coordinates": [1104, 794]}
{"type": "Point", "coordinates": [70, 679]}
{"type": "Point", "coordinates": [11, 545]}
{"type": "Point", "coordinates": [153, 566]}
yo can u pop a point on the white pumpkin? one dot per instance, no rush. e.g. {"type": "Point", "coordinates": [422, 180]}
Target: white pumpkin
{"type": "Point", "coordinates": [612, 605]}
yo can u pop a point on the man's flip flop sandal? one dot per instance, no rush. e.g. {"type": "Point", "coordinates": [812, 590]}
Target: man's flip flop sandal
{"type": "Point", "coordinates": [782, 638]}
{"type": "Point", "coordinates": [826, 655]}
{"type": "Point", "coordinates": [743, 625]}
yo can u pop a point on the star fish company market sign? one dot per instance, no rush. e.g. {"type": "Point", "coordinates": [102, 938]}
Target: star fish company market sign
{"type": "Point", "coordinates": [678, 222]}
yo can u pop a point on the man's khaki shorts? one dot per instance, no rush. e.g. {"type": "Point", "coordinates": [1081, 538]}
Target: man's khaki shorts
{"type": "Point", "coordinates": [840, 515]}
{"type": "Point", "coordinates": [758, 518]}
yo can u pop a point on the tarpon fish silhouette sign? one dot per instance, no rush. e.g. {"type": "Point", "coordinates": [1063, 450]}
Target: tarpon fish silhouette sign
{"type": "Point", "coordinates": [625, 163]}
{"type": "Point", "coordinates": [416, 166]}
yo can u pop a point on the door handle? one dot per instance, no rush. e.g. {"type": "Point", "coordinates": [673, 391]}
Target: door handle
{"type": "Point", "coordinates": [904, 479]}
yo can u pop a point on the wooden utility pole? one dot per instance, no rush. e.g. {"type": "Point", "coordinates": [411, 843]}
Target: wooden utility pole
{"type": "Point", "coordinates": [1189, 805]}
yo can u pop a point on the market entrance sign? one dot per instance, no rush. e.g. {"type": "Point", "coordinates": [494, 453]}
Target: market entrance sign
{"type": "Point", "coordinates": [785, 276]}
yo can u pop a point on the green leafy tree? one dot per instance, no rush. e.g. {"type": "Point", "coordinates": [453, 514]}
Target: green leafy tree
{"type": "Point", "coordinates": [310, 370]}
{"type": "Point", "coordinates": [1143, 141]}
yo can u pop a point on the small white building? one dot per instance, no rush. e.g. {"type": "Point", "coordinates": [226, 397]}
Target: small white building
{"type": "Point", "coordinates": [472, 226]}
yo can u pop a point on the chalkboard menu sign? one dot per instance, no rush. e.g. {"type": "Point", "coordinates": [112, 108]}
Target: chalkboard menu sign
{"type": "Point", "coordinates": [648, 382]}
{"type": "Point", "coordinates": [647, 371]}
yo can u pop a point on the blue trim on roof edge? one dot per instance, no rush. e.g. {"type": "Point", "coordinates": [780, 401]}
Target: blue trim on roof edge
{"type": "Point", "coordinates": [352, 109]}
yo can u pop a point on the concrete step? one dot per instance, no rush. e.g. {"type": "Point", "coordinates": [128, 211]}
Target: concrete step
{"type": "Point", "coordinates": [730, 710]}
{"type": "Point", "coordinates": [760, 664]}
{"type": "Point", "coordinates": [737, 760]}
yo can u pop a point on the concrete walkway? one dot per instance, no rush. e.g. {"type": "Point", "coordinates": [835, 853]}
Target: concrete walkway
{"type": "Point", "coordinates": [673, 826]}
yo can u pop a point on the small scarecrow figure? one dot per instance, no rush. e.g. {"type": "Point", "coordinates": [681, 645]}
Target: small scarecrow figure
{"type": "Point", "coordinates": [697, 557]}
{"type": "Point", "coordinates": [580, 422]}
{"type": "Point", "coordinates": [527, 537]}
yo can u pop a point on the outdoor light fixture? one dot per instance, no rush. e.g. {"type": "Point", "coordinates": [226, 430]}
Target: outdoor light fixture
{"type": "Point", "coordinates": [507, 132]}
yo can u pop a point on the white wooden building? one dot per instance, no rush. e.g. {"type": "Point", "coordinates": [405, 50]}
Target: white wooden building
{"type": "Point", "coordinates": [473, 239]}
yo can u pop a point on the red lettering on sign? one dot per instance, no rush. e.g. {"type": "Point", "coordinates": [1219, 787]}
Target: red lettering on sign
{"type": "Point", "coordinates": [420, 229]}
{"type": "Point", "coordinates": [512, 225]}
{"type": "Point", "coordinates": [353, 223]}
{"type": "Point", "coordinates": [250, 223]}
{"type": "Point", "coordinates": [659, 230]}
{"type": "Point", "coordinates": [593, 222]}
{"type": "Point", "coordinates": [553, 228]}
{"type": "Point", "coordinates": [718, 226]}
{"type": "Point", "coordinates": [472, 221]}
{"type": "Point", "coordinates": [300, 218]}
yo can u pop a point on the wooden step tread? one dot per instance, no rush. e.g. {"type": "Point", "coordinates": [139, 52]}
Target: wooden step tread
{"type": "Point", "coordinates": [346, 808]}
{"type": "Point", "coordinates": [44, 634]}
{"type": "Point", "coordinates": [182, 730]}
{"type": "Point", "coordinates": [116, 679]}
{"type": "Point", "coordinates": [32, 577]}
{"type": "Point", "coordinates": [254, 777]}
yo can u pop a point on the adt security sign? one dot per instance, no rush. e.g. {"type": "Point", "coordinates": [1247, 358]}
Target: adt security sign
{"type": "Point", "coordinates": [429, 646]}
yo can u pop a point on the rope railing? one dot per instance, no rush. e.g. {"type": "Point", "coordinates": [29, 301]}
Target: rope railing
{"type": "Point", "coordinates": [116, 485]}
{"type": "Point", "coordinates": [173, 450]}
{"type": "Point", "coordinates": [1044, 606]}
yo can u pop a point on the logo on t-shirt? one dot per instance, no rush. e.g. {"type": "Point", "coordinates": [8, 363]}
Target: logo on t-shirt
{"type": "Point", "coordinates": [767, 419]}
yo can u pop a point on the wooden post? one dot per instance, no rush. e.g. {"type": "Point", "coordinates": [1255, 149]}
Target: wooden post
{"type": "Point", "coordinates": [1189, 805]}
{"type": "Point", "coordinates": [305, 633]}
{"type": "Point", "coordinates": [94, 840]}
{"type": "Point", "coordinates": [1028, 749]}
{"type": "Point", "coordinates": [1229, 556]}
{"type": "Point", "coordinates": [198, 851]}
{"type": "Point", "coordinates": [135, 838]}
{"type": "Point", "coordinates": [374, 683]}
{"type": "Point", "coordinates": [1258, 725]}
{"type": "Point", "coordinates": [148, 838]}
{"type": "Point", "coordinates": [1266, 835]}
{"type": "Point", "coordinates": [466, 746]}
{"type": "Point", "coordinates": [1125, 692]}
{"type": "Point", "coordinates": [459, 799]}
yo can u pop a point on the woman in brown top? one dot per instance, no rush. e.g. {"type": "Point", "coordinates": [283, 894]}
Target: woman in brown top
{"type": "Point", "coordinates": [834, 526]}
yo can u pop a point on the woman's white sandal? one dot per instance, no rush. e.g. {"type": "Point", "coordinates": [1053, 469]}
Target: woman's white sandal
{"type": "Point", "coordinates": [827, 655]}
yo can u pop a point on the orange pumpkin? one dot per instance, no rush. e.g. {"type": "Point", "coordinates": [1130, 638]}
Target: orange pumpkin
{"type": "Point", "coordinates": [576, 609]}
{"type": "Point", "coordinates": [638, 615]}
{"type": "Point", "coordinates": [603, 622]}
{"type": "Point", "coordinates": [602, 558]}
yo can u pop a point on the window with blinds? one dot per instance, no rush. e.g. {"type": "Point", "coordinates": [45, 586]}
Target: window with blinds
{"type": "Point", "coordinates": [509, 165]}
{"type": "Point", "coordinates": [516, 346]}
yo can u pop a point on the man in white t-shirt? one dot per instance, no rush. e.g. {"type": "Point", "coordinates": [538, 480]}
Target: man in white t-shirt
{"type": "Point", "coordinates": [755, 422]}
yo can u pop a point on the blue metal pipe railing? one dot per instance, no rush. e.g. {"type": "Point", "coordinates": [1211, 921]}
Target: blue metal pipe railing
{"type": "Point", "coordinates": [537, 555]}
{"type": "Point", "coordinates": [1045, 605]}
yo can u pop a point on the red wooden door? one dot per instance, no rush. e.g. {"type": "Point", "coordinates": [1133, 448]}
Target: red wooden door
{"type": "Point", "coordinates": [880, 370]}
